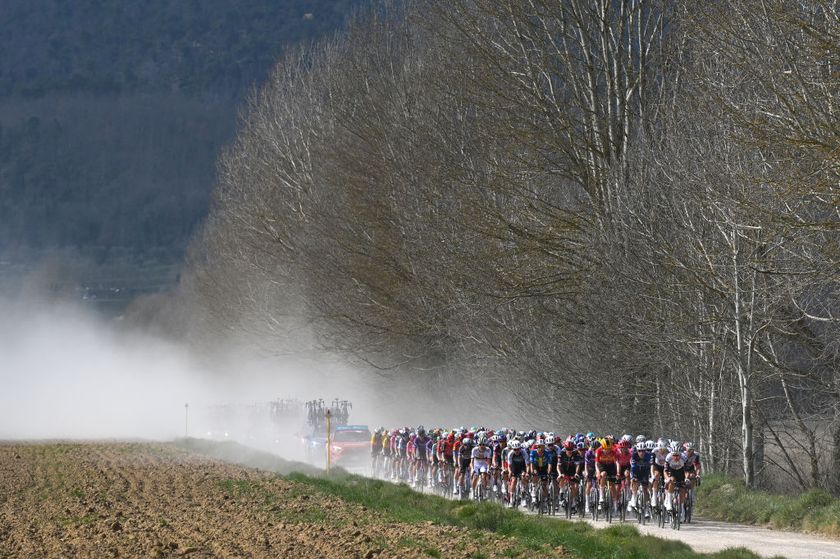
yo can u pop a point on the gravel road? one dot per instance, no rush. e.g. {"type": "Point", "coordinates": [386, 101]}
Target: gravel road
{"type": "Point", "coordinates": [711, 536]}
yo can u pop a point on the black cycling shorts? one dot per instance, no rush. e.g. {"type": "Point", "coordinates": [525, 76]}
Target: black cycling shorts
{"type": "Point", "coordinates": [642, 475]}
{"type": "Point", "coordinates": [678, 476]}
{"type": "Point", "coordinates": [609, 468]}
{"type": "Point", "coordinates": [542, 472]}
{"type": "Point", "coordinates": [517, 470]}
{"type": "Point", "coordinates": [464, 465]}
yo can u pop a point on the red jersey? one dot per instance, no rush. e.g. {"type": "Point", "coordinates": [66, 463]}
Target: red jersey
{"type": "Point", "coordinates": [622, 456]}
{"type": "Point", "coordinates": [604, 457]}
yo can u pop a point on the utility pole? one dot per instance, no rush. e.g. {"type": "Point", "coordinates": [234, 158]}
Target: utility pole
{"type": "Point", "coordinates": [329, 439]}
{"type": "Point", "coordinates": [186, 420]}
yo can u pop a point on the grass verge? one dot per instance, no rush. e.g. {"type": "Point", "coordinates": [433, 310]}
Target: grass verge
{"type": "Point", "coordinates": [402, 504]}
{"type": "Point", "coordinates": [723, 498]}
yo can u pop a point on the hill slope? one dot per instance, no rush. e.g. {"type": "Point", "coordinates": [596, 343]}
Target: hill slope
{"type": "Point", "coordinates": [112, 114]}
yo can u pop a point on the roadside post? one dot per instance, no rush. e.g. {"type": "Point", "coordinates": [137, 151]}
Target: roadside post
{"type": "Point", "coordinates": [329, 439]}
{"type": "Point", "coordinates": [186, 420]}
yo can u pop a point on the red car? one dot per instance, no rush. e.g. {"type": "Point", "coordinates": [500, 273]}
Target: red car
{"type": "Point", "coordinates": [351, 444]}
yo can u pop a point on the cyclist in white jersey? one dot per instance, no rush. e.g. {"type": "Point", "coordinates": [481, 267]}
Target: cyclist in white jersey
{"type": "Point", "coordinates": [480, 458]}
{"type": "Point", "coordinates": [660, 456]}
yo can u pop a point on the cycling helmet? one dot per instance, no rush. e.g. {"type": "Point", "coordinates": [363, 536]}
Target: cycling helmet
{"type": "Point", "coordinates": [641, 446]}
{"type": "Point", "coordinates": [623, 444]}
{"type": "Point", "coordinates": [550, 439]}
{"type": "Point", "coordinates": [627, 438]}
{"type": "Point", "coordinates": [581, 445]}
{"type": "Point", "coordinates": [649, 445]}
{"type": "Point", "coordinates": [607, 443]}
{"type": "Point", "coordinates": [594, 444]}
{"type": "Point", "coordinates": [688, 446]}
{"type": "Point", "coordinates": [675, 446]}
{"type": "Point", "coordinates": [569, 446]}
{"type": "Point", "coordinates": [640, 438]}
{"type": "Point", "coordinates": [590, 435]}
{"type": "Point", "coordinates": [421, 431]}
{"type": "Point", "coordinates": [660, 445]}
{"type": "Point", "coordinates": [515, 444]}
{"type": "Point", "coordinates": [467, 440]}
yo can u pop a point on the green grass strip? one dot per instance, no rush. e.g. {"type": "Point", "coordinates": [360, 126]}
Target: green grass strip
{"type": "Point", "coordinates": [723, 498]}
{"type": "Point", "coordinates": [402, 504]}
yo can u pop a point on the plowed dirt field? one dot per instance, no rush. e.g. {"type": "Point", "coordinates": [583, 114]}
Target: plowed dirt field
{"type": "Point", "coordinates": [156, 500]}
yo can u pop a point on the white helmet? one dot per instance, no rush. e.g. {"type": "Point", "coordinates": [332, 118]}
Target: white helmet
{"type": "Point", "coordinates": [640, 438]}
{"type": "Point", "coordinates": [641, 445]}
{"type": "Point", "coordinates": [649, 445]}
{"type": "Point", "coordinates": [627, 438]}
{"type": "Point", "coordinates": [660, 445]}
{"type": "Point", "coordinates": [515, 444]}
{"type": "Point", "coordinates": [467, 440]}
{"type": "Point", "coordinates": [675, 446]}
{"type": "Point", "coordinates": [688, 446]}
{"type": "Point", "coordinates": [549, 439]}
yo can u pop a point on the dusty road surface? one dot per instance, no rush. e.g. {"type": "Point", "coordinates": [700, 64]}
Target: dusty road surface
{"type": "Point", "coordinates": [156, 500]}
{"type": "Point", "coordinates": [709, 536]}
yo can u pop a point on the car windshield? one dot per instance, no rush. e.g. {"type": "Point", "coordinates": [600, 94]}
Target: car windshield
{"type": "Point", "coordinates": [351, 436]}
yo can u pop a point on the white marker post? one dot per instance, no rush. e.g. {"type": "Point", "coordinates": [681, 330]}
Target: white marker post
{"type": "Point", "coordinates": [186, 420]}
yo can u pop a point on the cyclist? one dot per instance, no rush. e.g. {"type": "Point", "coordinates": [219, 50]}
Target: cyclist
{"type": "Point", "coordinates": [464, 454]}
{"type": "Point", "coordinates": [480, 460]}
{"type": "Point", "coordinates": [674, 476]}
{"type": "Point", "coordinates": [640, 466]}
{"type": "Point", "coordinates": [660, 455]}
{"type": "Point", "coordinates": [623, 454]}
{"type": "Point", "coordinates": [692, 462]}
{"type": "Point", "coordinates": [540, 464]}
{"type": "Point", "coordinates": [421, 455]}
{"type": "Point", "coordinates": [498, 447]}
{"type": "Point", "coordinates": [569, 468]}
{"type": "Point", "coordinates": [589, 468]}
{"type": "Point", "coordinates": [606, 469]}
{"type": "Point", "coordinates": [376, 449]}
{"type": "Point", "coordinates": [553, 451]}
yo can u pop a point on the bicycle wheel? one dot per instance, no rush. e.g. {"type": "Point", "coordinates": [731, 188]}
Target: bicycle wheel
{"type": "Point", "coordinates": [609, 502]}
{"type": "Point", "coordinates": [622, 503]}
{"type": "Point", "coordinates": [567, 498]}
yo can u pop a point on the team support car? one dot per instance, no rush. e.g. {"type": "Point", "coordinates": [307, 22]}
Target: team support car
{"type": "Point", "coordinates": [350, 445]}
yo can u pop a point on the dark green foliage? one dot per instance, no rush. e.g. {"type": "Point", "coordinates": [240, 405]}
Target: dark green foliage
{"type": "Point", "coordinates": [112, 114]}
{"type": "Point", "coordinates": [215, 47]}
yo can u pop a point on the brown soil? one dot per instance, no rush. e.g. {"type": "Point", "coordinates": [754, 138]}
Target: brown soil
{"type": "Point", "coordinates": [155, 500]}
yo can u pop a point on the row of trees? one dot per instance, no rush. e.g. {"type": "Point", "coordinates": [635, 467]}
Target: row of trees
{"type": "Point", "coordinates": [625, 213]}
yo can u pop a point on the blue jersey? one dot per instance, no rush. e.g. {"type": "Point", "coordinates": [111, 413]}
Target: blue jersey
{"type": "Point", "coordinates": [641, 464]}
{"type": "Point", "coordinates": [541, 462]}
{"type": "Point", "coordinates": [552, 452]}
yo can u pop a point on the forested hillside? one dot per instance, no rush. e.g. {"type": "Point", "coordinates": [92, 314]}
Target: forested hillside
{"type": "Point", "coordinates": [605, 215]}
{"type": "Point", "coordinates": [112, 114]}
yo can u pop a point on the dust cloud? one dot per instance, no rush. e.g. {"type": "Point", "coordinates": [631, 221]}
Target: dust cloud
{"type": "Point", "coordinates": [67, 373]}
